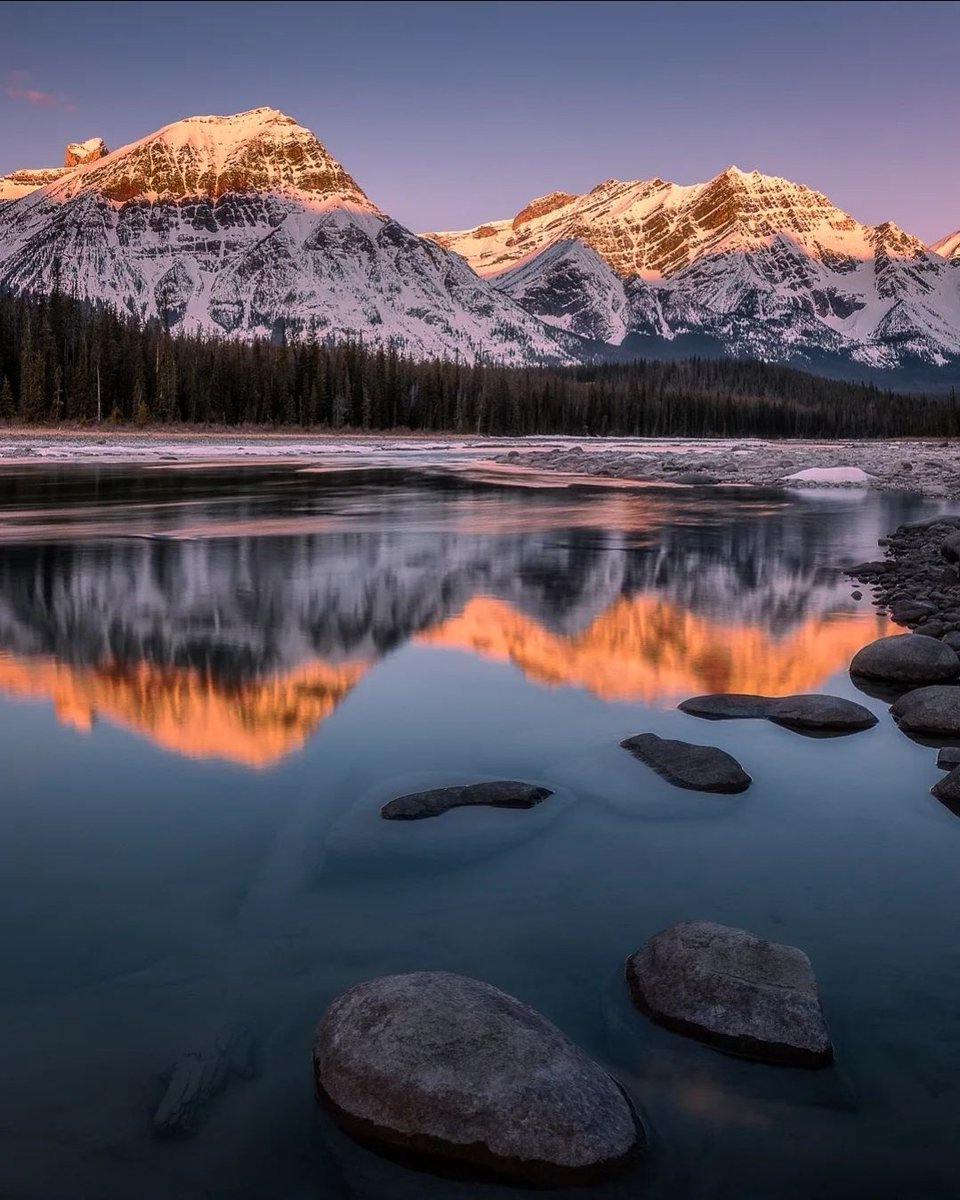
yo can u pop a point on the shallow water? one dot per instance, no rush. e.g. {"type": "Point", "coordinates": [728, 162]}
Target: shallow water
{"type": "Point", "coordinates": [210, 680]}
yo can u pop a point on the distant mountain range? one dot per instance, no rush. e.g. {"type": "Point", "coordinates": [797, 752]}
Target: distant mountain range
{"type": "Point", "coordinates": [244, 225]}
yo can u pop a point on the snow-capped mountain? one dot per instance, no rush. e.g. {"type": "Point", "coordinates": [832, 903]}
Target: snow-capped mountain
{"type": "Point", "coordinates": [241, 225]}
{"type": "Point", "coordinates": [767, 267]}
{"type": "Point", "coordinates": [235, 225]}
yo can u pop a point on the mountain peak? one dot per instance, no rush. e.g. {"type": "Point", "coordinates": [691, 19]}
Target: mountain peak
{"type": "Point", "coordinates": [209, 156]}
{"type": "Point", "coordinates": [78, 153]}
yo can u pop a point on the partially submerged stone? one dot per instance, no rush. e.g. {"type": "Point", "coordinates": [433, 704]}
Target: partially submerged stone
{"type": "Point", "coordinates": [462, 1074]}
{"type": "Point", "coordinates": [819, 713]}
{"type": "Point", "coordinates": [726, 706]}
{"type": "Point", "coordinates": [734, 991]}
{"type": "Point", "coordinates": [906, 658]}
{"type": "Point", "coordinates": [948, 790]}
{"type": "Point", "coordinates": [948, 758]}
{"type": "Point", "coordinates": [929, 711]}
{"type": "Point", "coordinates": [812, 713]}
{"type": "Point", "coordinates": [199, 1074]}
{"type": "Point", "coordinates": [698, 768]}
{"type": "Point", "coordinates": [502, 793]}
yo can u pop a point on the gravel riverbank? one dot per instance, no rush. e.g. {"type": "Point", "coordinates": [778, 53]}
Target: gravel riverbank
{"type": "Point", "coordinates": [930, 468]}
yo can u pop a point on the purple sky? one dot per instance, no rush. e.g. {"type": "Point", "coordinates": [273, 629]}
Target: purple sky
{"type": "Point", "coordinates": [450, 114]}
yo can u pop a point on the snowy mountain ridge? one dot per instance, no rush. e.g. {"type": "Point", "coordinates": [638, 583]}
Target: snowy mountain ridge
{"type": "Point", "coordinates": [244, 226]}
{"type": "Point", "coordinates": [238, 225]}
{"type": "Point", "coordinates": [767, 267]}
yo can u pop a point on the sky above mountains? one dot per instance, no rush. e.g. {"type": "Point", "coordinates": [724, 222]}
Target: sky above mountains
{"type": "Point", "coordinates": [452, 114]}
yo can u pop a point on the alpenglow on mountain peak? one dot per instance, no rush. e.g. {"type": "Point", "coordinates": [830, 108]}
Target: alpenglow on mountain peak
{"type": "Point", "coordinates": [245, 226]}
{"type": "Point", "coordinates": [745, 263]}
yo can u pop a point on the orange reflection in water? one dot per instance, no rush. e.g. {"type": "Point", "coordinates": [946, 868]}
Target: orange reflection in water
{"type": "Point", "coordinates": [644, 648]}
{"type": "Point", "coordinates": [254, 723]}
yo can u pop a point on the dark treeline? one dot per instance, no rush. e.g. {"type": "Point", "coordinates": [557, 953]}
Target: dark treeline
{"type": "Point", "coordinates": [65, 361]}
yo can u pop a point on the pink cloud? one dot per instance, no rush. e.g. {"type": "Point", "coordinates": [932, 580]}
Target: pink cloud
{"type": "Point", "coordinates": [15, 88]}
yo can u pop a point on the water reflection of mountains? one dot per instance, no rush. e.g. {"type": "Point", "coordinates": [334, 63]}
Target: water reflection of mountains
{"type": "Point", "coordinates": [240, 647]}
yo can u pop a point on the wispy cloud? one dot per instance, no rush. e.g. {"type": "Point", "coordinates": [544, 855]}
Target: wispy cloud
{"type": "Point", "coordinates": [17, 87]}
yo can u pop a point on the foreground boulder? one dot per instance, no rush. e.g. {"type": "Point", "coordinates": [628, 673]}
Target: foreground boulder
{"type": "Point", "coordinates": [502, 793]}
{"type": "Point", "coordinates": [906, 658]}
{"type": "Point", "coordinates": [812, 713]}
{"type": "Point", "coordinates": [929, 711]}
{"type": "Point", "coordinates": [461, 1073]}
{"type": "Point", "coordinates": [698, 768]}
{"type": "Point", "coordinates": [734, 991]}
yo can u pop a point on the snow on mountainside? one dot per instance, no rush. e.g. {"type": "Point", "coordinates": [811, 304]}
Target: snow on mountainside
{"type": "Point", "coordinates": [949, 246]}
{"type": "Point", "coordinates": [23, 182]}
{"type": "Point", "coordinates": [235, 225]}
{"type": "Point", "coordinates": [768, 267]}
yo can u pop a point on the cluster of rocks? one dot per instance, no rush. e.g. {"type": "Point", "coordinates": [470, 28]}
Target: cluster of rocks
{"type": "Point", "coordinates": [918, 582]}
{"type": "Point", "coordinates": [931, 468]}
{"type": "Point", "coordinates": [452, 1073]}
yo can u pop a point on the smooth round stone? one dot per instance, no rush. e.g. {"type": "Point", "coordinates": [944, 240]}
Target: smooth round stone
{"type": "Point", "coordinates": [906, 658]}
{"type": "Point", "coordinates": [929, 711]}
{"type": "Point", "coordinates": [697, 768]}
{"type": "Point", "coordinates": [458, 1072]}
{"type": "Point", "coordinates": [948, 790]}
{"type": "Point", "coordinates": [734, 991]}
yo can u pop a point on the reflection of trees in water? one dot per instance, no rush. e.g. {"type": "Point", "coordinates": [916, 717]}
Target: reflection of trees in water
{"type": "Point", "coordinates": [239, 607]}
{"type": "Point", "coordinates": [240, 647]}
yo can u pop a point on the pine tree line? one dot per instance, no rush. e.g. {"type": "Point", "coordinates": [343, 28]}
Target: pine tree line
{"type": "Point", "coordinates": [61, 360]}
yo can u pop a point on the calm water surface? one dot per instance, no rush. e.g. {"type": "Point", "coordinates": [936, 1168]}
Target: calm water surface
{"type": "Point", "coordinates": [211, 679]}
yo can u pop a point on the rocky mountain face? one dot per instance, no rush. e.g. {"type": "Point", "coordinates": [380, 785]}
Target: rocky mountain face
{"type": "Point", "coordinates": [764, 267]}
{"type": "Point", "coordinates": [245, 225]}
{"type": "Point", "coordinates": [23, 182]}
{"type": "Point", "coordinates": [239, 225]}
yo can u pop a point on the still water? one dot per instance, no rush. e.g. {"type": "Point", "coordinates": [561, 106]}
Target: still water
{"type": "Point", "coordinates": [211, 679]}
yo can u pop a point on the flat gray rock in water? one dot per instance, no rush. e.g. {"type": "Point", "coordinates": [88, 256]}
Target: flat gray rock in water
{"type": "Point", "coordinates": [699, 768]}
{"type": "Point", "coordinates": [827, 714]}
{"type": "Point", "coordinates": [931, 711]}
{"type": "Point", "coordinates": [906, 658]}
{"type": "Point", "coordinates": [734, 991]}
{"type": "Point", "coordinates": [460, 1072]}
{"type": "Point", "coordinates": [503, 793]}
{"type": "Point", "coordinates": [726, 706]}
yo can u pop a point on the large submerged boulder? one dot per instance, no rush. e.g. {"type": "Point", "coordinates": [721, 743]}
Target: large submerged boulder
{"type": "Point", "coordinates": [906, 658]}
{"type": "Point", "coordinates": [734, 991]}
{"type": "Point", "coordinates": [501, 793]}
{"type": "Point", "coordinates": [930, 712]}
{"type": "Point", "coordinates": [459, 1072]}
{"type": "Point", "coordinates": [698, 768]}
{"type": "Point", "coordinates": [809, 713]}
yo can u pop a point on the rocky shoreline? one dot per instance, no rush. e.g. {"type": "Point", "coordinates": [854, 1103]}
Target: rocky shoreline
{"type": "Point", "coordinates": [927, 467]}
